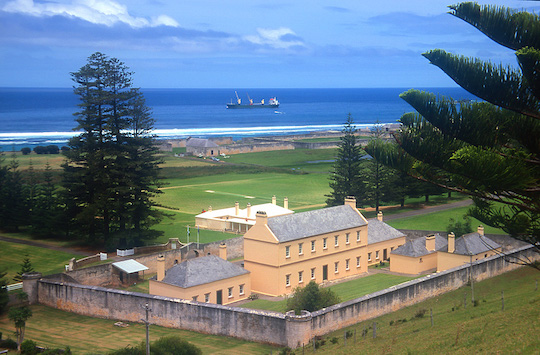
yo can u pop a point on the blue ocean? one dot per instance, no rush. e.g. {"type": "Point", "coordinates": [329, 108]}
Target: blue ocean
{"type": "Point", "coordinates": [43, 116]}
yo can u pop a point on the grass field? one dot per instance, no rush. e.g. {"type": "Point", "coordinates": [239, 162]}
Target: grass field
{"type": "Point", "coordinates": [484, 329]}
{"type": "Point", "coordinates": [86, 335]}
{"type": "Point", "coordinates": [346, 290]}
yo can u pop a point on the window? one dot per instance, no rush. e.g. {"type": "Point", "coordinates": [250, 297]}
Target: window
{"type": "Point", "coordinates": [288, 280]}
{"type": "Point", "coordinates": [336, 239]}
{"type": "Point", "coordinates": [357, 236]}
{"type": "Point", "coordinates": [357, 261]}
{"type": "Point", "coordinates": [195, 298]}
{"type": "Point", "coordinates": [368, 256]}
{"type": "Point", "coordinates": [377, 255]}
{"type": "Point", "coordinates": [230, 292]}
{"type": "Point", "coordinates": [300, 276]}
{"type": "Point", "coordinates": [312, 245]}
{"type": "Point", "coordinates": [313, 274]}
{"type": "Point", "coordinates": [300, 248]}
{"type": "Point", "coordinates": [391, 248]}
{"type": "Point", "coordinates": [347, 238]}
{"type": "Point", "coordinates": [347, 264]}
{"type": "Point", "coordinates": [421, 260]}
{"type": "Point", "coordinates": [287, 251]}
{"type": "Point", "coordinates": [324, 244]}
{"type": "Point", "coordinates": [241, 291]}
{"type": "Point", "coordinates": [206, 297]}
{"type": "Point", "coordinates": [336, 268]}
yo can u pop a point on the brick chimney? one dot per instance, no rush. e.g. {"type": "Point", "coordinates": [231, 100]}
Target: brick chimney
{"type": "Point", "coordinates": [481, 229]}
{"type": "Point", "coordinates": [286, 203]}
{"type": "Point", "coordinates": [380, 216]}
{"type": "Point", "coordinates": [248, 209]}
{"type": "Point", "coordinates": [236, 208]}
{"type": "Point", "coordinates": [274, 201]}
{"type": "Point", "coordinates": [160, 267]}
{"type": "Point", "coordinates": [351, 201]}
{"type": "Point", "coordinates": [223, 251]}
{"type": "Point", "coordinates": [430, 242]}
{"type": "Point", "coordinates": [451, 242]}
{"type": "Point", "coordinates": [261, 218]}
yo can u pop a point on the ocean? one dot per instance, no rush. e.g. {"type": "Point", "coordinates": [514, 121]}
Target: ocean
{"type": "Point", "coordinates": [43, 116]}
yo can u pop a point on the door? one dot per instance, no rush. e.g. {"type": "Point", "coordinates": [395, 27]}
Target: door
{"type": "Point", "coordinates": [325, 272]}
{"type": "Point", "coordinates": [219, 296]}
{"type": "Point", "coordinates": [385, 254]}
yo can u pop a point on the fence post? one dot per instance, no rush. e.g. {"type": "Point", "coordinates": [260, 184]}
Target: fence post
{"type": "Point", "coordinates": [374, 330]}
{"type": "Point", "coordinates": [355, 335]}
{"type": "Point", "coordinates": [431, 313]}
{"type": "Point", "coordinates": [502, 300]}
{"type": "Point", "coordinates": [465, 300]}
{"type": "Point", "coordinates": [345, 338]}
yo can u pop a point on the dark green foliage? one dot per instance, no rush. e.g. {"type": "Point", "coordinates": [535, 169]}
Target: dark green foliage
{"type": "Point", "coordinates": [19, 315]}
{"type": "Point", "coordinates": [111, 173]}
{"type": "Point", "coordinates": [311, 298]}
{"type": "Point", "coordinates": [26, 266]}
{"type": "Point", "coordinates": [420, 313]}
{"type": "Point", "coordinates": [345, 180]}
{"type": "Point", "coordinates": [490, 149]}
{"type": "Point", "coordinates": [458, 227]}
{"type": "Point", "coordinates": [167, 345]}
{"type": "Point", "coordinates": [8, 344]}
{"type": "Point", "coordinates": [4, 297]}
{"type": "Point", "coordinates": [28, 347]}
{"type": "Point", "coordinates": [26, 150]}
{"type": "Point", "coordinates": [13, 202]}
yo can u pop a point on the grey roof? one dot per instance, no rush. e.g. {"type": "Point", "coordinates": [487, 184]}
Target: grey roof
{"type": "Point", "coordinates": [473, 243]}
{"type": "Point", "coordinates": [200, 143]}
{"type": "Point", "coordinates": [379, 231]}
{"type": "Point", "coordinates": [130, 266]}
{"type": "Point", "coordinates": [202, 270]}
{"type": "Point", "coordinates": [316, 222]}
{"type": "Point", "coordinates": [417, 247]}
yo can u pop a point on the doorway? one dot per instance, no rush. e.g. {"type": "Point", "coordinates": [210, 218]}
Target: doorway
{"type": "Point", "coordinates": [385, 254]}
{"type": "Point", "coordinates": [325, 272]}
{"type": "Point", "coordinates": [219, 297]}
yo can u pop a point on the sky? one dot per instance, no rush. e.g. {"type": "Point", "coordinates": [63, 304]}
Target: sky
{"type": "Point", "coordinates": [240, 43]}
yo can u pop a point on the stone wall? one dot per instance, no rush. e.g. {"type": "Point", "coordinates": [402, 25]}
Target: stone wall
{"type": "Point", "coordinates": [262, 326]}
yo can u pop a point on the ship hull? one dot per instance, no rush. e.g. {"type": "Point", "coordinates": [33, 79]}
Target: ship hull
{"type": "Point", "coordinates": [236, 106]}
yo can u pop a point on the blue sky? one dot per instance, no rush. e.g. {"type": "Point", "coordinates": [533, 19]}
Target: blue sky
{"type": "Point", "coordinates": [238, 43]}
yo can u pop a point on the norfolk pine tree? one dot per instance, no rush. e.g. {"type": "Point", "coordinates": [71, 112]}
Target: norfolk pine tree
{"type": "Point", "coordinates": [489, 150]}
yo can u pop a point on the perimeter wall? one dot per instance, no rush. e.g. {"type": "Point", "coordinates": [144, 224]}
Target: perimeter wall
{"type": "Point", "coordinates": [256, 325]}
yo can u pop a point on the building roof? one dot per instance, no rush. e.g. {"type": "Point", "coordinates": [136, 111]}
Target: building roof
{"type": "Point", "coordinates": [130, 266]}
{"type": "Point", "coordinates": [200, 143]}
{"type": "Point", "coordinates": [417, 247]}
{"type": "Point", "coordinates": [379, 231]}
{"type": "Point", "coordinates": [311, 223]}
{"type": "Point", "coordinates": [201, 271]}
{"type": "Point", "coordinates": [270, 209]}
{"type": "Point", "coordinates": [472, 244]}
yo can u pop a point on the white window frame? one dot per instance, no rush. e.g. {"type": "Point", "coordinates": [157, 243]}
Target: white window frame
{"type": "Point", "coordinates": [368, 256]}
{"type": "Point", "coordinates": [194, 298]}
{"type": "Point", "coordinates": [241, 289]}
{"type": "Point", "coordinates": [357, 236]}
{"type": "Point", "coordinates": [377, 255]}
{"type": "Point", "coordinates": [300, 277]}
{"type": "Point", "coordinates": [357, 261]}
{"type": "Point", "coordinates": [312, 246]}
{"type": "Point", "coordinates": [347, 262]}
{"type": "Point", "coordinates": [325, 243]}
{"type": "Point", "coordinates": [230, 292]}
{"type": "Point", "coordinates": [347, 238]}
{"type": "Point", "coordinates": [313, 273]}
{"type": "Point", "coordinates": [206, 298]}
{"type": "Point", "coordinates": [287, 251]}
{"type": "Point", "coordinates": [336, 240]}
{"type": "Point", "coordinates": [288, 280]}
{"type": "Point", "coordinates": [336, 267]}
{"type": "Point", "coordinates": [300, 248]}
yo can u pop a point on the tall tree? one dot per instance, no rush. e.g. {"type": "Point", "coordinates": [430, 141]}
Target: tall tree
{"type": "Point", "coordinates": [345, 180]}
{"type": "Point", "coordinates": [488, 149]}
{"type": "Point", "coordinates": [111, 171]}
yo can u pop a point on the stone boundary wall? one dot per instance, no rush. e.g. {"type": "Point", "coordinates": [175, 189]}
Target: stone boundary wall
{"type": "Point", "coordinates": [251, 148]}
{"type": "Point", "coordinates": [256, 325]}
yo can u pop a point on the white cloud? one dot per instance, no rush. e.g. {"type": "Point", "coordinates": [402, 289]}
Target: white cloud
{"type": "Point", "coordinates": [101, 12]}
{"type": "Point", "coordinates": [281, 38]}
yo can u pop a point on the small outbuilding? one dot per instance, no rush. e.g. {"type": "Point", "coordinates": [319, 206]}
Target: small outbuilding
{"type": "Point", "coordinates": [201, 146]}
{"type": "Point", "coordinates": [417, 255]}
{"type": "Point", "coordinates": [128, 271]}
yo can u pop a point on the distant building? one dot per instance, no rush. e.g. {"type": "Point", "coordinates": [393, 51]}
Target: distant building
{"type": "Point", "coordinates": [417, 255]}
{"type": "Point", "coordinates": [382, 239]}
{"type": "Point", "coordinates": [201, 146]}
{"type": "Point", "coordinates": [235, 219]}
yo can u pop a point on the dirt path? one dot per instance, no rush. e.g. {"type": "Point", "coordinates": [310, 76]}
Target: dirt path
{"type": "Point", "coordinates": [76, 250]}
{"type": "Point", "coordinates": [430, 209]}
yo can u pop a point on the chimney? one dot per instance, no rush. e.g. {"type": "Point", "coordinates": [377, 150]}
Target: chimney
{"type": "Point", "coordinates": [286, 203]}
{"type": "Point", "coordinates": [380, 216]}
{"type": "Point", "coordinates": [160, 267]}
{"type": "Point", "coordinates": [451, 242]}
{"type": "Point", "coordinates": [223, 251]}
{"type": "Point", "coordinates": [261, 217]}
{"type": "Point", "coordinates": [351, 201]}
{"type": "Point", "coordinates": [209, 208]}
{"type": "Point", "coordinates": [481, 229]}
{"type": "Point", "coordinates": [430, 242]}
{"type": "Point", "coordinates": [236, 208]}
{"type": "Point", "coordinates": [274, 199]}
{"type": "Point", "coordinates": [248, 209]}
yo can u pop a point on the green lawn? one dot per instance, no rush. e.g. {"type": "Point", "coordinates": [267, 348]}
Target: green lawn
{"type": "Point", "coordinates": [346, 290]}
{"type": "Point", "coordinates": [481, 329]}
{"type": "Point", "coordinates": [438, 221]}
{"type": "Point", "coordinates": [44, 260]}
{"type": "Point", "coordinates": [87, 335]}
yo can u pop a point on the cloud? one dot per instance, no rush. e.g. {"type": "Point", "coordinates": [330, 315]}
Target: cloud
{"type": "Point", "coordinates": [337, 9]}
{"type": "Point", "coordinates": [281, 38]}
{"type": "Point", "coordinates": [100, 12]}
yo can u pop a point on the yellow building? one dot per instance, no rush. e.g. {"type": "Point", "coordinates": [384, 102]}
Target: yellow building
{"type": "Point", "coordinates": [237, 219]}
{"type": "Point", "coordinates": [469, 247]}
{"type": "Point", "coordinates": [321, 245]}
{"type": "Point", "coordinates": [209, 279]}
{"type": "Point", "coordinates": [382, 239]}
{"type": "Point", "coordinates": [418, 255]}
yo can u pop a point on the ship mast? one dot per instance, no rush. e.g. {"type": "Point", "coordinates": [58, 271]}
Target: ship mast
{"type": "Point", "coordinates": [237, 98]}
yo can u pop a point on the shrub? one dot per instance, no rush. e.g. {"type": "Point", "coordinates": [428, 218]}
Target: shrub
{"type": "Point", "coordinates": [40, 150]}
{"type": "Point", "coordinates": [53, 149]}
{"type": "Point", "coordinates": [28, 347]}
{"type": "Point", "coordinates": [334, 340]}
{"type": "Point", "coordinates": [26, 150]}
{"type": "Point", "coordinates": [8, 344]}
{"type": "Point", "coordinates": [420, 313]}
{"type": "Point", "coordinates": [311, 298]}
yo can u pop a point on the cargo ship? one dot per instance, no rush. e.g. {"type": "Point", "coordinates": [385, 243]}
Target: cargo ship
{"type": "Point", "coordinates": [272, 103]}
